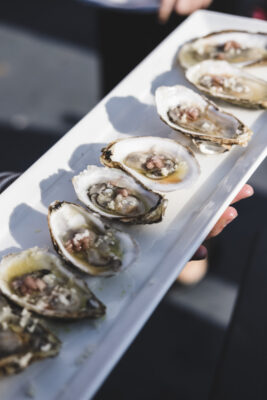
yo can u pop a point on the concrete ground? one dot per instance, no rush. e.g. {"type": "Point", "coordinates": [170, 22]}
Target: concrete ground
{"type": "Point", "coordinates": [49, 78]}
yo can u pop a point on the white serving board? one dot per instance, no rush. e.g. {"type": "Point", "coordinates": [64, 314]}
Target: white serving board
{"type": "Point", "coordinates": [91, 349]}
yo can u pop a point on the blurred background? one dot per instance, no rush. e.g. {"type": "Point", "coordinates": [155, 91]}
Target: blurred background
{"type": "Point", "coordinates": [56, 63]}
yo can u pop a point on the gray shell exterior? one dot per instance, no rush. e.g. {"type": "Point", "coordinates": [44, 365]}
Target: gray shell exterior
{"type": "Point", "coordinates": [179, 94]}
{"type": "Point", "coordinates": [145, 143]}
{"type": "Point", "coordinates": [23, 340]}
{"type": "Point", "coordinates": [152, 215]}
{"type": "Point", "coordinates": [92, 306]}
{"type": "Point", "coordinates": [210, 148]}
{"type": "Point", "coordinates": [186, 54]}
{"type": "Point", "coordinates": [220, 68]}
{"type": "Point", "coordinates": [91, 269]}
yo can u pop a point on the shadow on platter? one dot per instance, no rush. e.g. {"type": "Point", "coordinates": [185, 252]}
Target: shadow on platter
{"type": "Point", "coordinates": [168, 78]}
{"type": "Point", "coordinates": [58, 186]}
{"type": "Point", "coordinates": [143, 121]}
{"type": "Point", "coordinates": [86, 154]}
{"type": "Point", "coordinates": [9, 250]}
{"type": "Point", "coordinates": [29, 227]}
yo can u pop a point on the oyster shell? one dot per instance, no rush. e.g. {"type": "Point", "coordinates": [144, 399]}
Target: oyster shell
{"type": "Point", "coordinates": [238, 47]}
{"type": "Point", "coordinates": [194, 115]}
{"type": "Point", "coordinates": [208, 147]}
{"type": "Point", "coordinates": [112, 193]}
{"type": "Point", "coordinates": [162, 165]}
{"type": "Point", "coordinates": [23, 339]}
{"type": "Point", "coordinates": [229, 83]}
{"type": "Point", "coordinates": [38, 280]}
{"type": "Point", "coordinates": [85, 242]}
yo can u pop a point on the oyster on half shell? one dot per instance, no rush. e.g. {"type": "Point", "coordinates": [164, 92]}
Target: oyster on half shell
{"type": "Point", "coordinates": [86, 242]}
{"type": "Point", "coordinates": [112, 193]}
{"type": "Point", "coordinates": [38, 281]}
{"type": "Point", "coordinates": [238, 47]}
{"type": "Point", "coordinates": [162, 165]}
{"type": "Point", "coordinates": [23, 339]}
{"type": "Point", "coordinates": [197, 117]}
{"type": "Point", "coordinates": [234, 85]}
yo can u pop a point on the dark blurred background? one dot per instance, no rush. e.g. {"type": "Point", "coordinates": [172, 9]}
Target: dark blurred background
{"type": "Point", "coordinates": [58, 58]}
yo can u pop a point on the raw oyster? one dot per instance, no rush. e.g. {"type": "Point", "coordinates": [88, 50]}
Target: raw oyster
{"type": "Point", "coordinates": [114, 194]}
{"type": "Point", "coordinates": [223, 80]}
{"type": "Point", "coordinates": [23, 339]}
{"type": "Point", "coordinates": [85, 242]}
{"type": "Point", "coordinates": [161, 164]}
{"type": "Point", "coordinates": [39, 281]}
{"type": "Point", "coordinates": [194, 115]}
{"type": "Point", "coordinates": [238, 47]}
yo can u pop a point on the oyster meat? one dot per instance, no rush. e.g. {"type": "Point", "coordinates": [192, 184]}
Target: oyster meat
{"type": "Point", "coordinates": [238, 47]}
{"type": "Point", "coordinates": [87, 243]}
{"type": "Point", "coordinates": [223, 80]}
{"type": "Point", "coordinates": [23, 339]}
{"type": "Point", "coordinates": [39, 281]}
{"type": "Point", "coordinates": [197, 117]}
{"type": "Point", "coordinates": [114, 194]}
{"type": "Point", "coordinates": [162, 165]}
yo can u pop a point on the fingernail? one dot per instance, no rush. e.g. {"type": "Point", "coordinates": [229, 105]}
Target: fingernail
{"type": "Point", "coordinates": [249, 191]}
{"type": "Point", "coordinates": [201, 253]}
{"type": "Point", "coordinates": [233, 216]}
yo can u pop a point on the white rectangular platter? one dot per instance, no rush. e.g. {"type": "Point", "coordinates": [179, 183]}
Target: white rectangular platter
{"type": "Point", "coordinates": [91, 349]}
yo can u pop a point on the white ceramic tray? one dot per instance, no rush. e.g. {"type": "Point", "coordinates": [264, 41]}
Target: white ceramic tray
{"type": "Point", "coordinates": [91, 349]}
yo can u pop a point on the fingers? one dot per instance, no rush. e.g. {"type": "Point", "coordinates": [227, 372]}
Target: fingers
{"type": "Point", "coordinates": [182, 7]}
{"type": "Point", "coordinates": [165, 9]}
{"type": "Point", "coordinates": [230, 213]}
{"type": "Point", "coordinates": [244, 193]}
{"type": "Point", "coordinates": [200, 254]}
{"type": "Point", "coordinates": [228, 216]}
{"type": "Point", "coordinates": [186, 7]}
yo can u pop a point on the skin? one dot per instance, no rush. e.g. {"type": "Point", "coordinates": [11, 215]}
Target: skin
{"type": "Point", "coordinates": [227, 217]}
{"type": "Point", "coordinates": [186, 7]}
{"type": "Point", "coordinates": [181, 7]}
